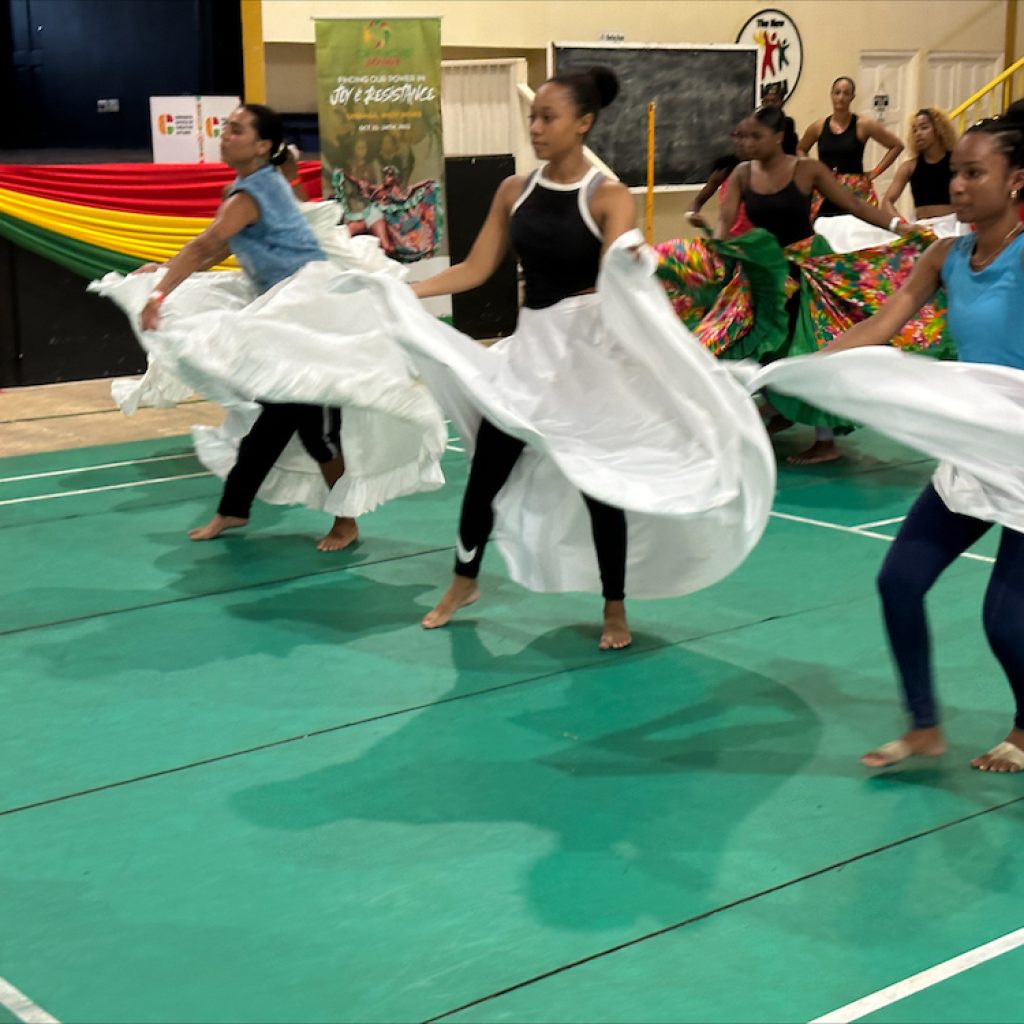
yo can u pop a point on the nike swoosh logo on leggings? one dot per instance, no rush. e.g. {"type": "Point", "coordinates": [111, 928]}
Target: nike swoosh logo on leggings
{"type": "Point", "coordinates": [462, 554]}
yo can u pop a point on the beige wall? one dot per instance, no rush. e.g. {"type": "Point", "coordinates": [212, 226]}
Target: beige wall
{"type": "Point", "coordinates": [834, 35]}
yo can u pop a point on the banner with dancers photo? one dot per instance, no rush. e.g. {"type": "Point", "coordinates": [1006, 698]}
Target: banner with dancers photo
{"type": "Point", "coordinates": [379, 102]}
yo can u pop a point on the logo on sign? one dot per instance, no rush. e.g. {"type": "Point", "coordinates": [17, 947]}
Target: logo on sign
{"type": "Point", "coordinates": [780, 54]}
{"type": "Point", "coordinates": [165, 124]}
{"type": "Point", "coordinates": [376, 35]}
{"type": "Point", "coordinates": [212, 126]}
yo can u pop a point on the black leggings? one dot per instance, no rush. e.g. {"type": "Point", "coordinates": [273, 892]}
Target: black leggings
{"type": "Point", "coordinates": [318, 427]}
{"type": "Point", "coordinates": [493, 460]}
{"type": "Point", "coordinates": [929, 540]}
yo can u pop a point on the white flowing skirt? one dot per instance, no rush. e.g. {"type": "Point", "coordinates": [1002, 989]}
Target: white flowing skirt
{"type": "Point", "coordinates": [310, 339]}
{"type": "Point", "coordinates": [968, 415]}
{"type": "Point", "coordinates": [849, 234]}
{"type": "Point", "coordinates": [613, 398]}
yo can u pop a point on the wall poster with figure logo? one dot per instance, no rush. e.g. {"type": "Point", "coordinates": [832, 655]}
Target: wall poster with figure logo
{"type": "Point", "coordinates": [780, 53]}
{"type": "Point", "coordinates": [379, 100]}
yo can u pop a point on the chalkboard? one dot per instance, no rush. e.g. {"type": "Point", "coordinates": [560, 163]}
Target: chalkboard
{"type": "Point", "coordinates": [702, 93]}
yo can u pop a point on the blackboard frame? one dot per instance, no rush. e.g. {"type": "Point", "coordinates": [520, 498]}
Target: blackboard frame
{"type": "Point", "coordinates": [605, 47]}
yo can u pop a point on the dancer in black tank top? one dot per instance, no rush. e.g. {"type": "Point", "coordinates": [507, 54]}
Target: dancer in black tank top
{"type": "Point", "coordinates": [841, 138]}
{"type": "Point", "coordinates": [776, 192]}
{"type": "Point", "coordinates": [928, 172]}
{"type": "Point", "coordinates": [559, 221]}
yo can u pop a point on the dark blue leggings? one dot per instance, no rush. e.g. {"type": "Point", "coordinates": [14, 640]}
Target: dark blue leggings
{"type": "Point", "coordinates": [929, 540]}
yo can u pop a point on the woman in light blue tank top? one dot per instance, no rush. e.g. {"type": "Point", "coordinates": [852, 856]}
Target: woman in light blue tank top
{"type": "Point", "coordinates": [261, 224]}
{"type": "Point", "coordinates": [983, 274]}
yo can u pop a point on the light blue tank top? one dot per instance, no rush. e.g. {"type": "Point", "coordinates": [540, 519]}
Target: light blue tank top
{"type": "Point", "coordinates": [986, 307]}
{"type": "Point", "coordinates": [280, 242]}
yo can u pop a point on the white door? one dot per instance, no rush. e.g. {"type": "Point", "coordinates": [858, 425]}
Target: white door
{"type": "Point", "coordinates": [952, 78]}
{"type": "Point", "coordinates": [886, 89]}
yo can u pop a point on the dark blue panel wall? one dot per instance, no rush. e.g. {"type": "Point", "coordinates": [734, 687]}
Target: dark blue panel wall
{"type": "Point", "coordinates": [67, 54]}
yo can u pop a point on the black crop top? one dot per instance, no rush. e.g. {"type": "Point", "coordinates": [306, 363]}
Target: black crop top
{"type": "Point", "coordinates": [555, 238]}
{"type": "Point", "coordinates": [929, 183]}
{"type": "Point", "coordinates": [786, 213]}
{"type": "Point", "coordinates": [842, 153]}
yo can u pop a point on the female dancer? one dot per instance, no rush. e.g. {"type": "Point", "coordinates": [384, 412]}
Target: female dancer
{"type": "Point", "coordinates": [560, 222]}
{"type": "Point", "coordinates": [779, 295]}
{"type": "Point", "coordinates": [983, 275]}
{"type": "Point", "coordinates": [289, 332]}
{"type": "Point", "coordinates": [841, 138]}
{"type": "Point", "coordinates": [932, 139]}
{"type": "Point", "coordinates": [260, 223]}
{"type": "Point", "coordinates": [717, 181]}
{"type": "Point", "coordinates": [772, 95]}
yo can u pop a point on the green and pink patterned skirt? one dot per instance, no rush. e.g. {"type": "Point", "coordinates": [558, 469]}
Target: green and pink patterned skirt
{"type": "Point", "coordinates": [748, 298]}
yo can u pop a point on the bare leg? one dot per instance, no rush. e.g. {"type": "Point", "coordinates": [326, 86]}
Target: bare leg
{"type": "Point", "coordinates": [914, 743]}
{"type": "Point", "coordinates": [615, 635]}
{"type": "Point", "coordinates": [344, 531]}
{"type": "Point", "coordinates": [462, 592]}
{"type": "Point", "coordinates": [823, 450]}
{"type": "Point", "coordinates": [997, 763]}
{"type": "Point", "coordinates": [216, 526]}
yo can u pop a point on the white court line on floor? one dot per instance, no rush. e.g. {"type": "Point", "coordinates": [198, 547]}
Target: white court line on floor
{"type": "Point", "coordinates": [15, 1001]}
{"type": "Point", "coordinates": [880, 522]}
{"type": "Point", "coordinates": [918, 982]}
{"type": "Point", "coordinates": [861, 532]}
{"type": "Point", "coordinates": [108, 487]}
{"type": "Point", "coordinates": [89, 469]}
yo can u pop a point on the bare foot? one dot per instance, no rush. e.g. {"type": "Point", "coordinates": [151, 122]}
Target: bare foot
{"type": "Point", "coordinates": [776, 424]}
{"type": "Point", "coordinates": [915, 743]}
{"type": "Point", "coordinates": [615, 634]}
{"type": "Point", "coordinates": [216, 526]}
{"type": "Point", "coordinates": [339, 536]}
{"type": "Point", "coordinates": [820, 451]}
{"type": "Point", "coordinates": [461, 593]}
{"type": "Point", "coordinates": [1000, 759]}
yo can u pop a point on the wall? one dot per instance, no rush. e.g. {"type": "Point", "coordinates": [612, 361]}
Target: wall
{"type": "Point", "coordinates": [833, 34]}
{"type": "Point", "coordinates": [64, 55]}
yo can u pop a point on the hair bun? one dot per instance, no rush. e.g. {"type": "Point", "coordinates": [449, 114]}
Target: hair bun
{"type": "Point", "coordinates": [606, 82]}
{"type": "Point", "coordinates": [279, 155]}
{"type": "Point", "coordinates": [1015, 114]}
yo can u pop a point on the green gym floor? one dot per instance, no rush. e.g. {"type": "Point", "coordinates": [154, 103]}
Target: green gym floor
{"type": "Point", "coordinates": [240, 783]}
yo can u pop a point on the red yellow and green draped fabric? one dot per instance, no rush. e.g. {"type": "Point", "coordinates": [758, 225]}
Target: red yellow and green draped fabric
{"type": "Point", "coordinates": [94, 218]}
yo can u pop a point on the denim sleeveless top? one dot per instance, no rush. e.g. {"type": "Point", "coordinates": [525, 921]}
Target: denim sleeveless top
{"type": "Point", "coordinates": [280, 242]}
{"type": "Point", "coordinates": [986, 307]}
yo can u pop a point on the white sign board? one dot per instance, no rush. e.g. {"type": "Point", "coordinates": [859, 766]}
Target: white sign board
{"type": "Point", "coordinates": [186, 129]}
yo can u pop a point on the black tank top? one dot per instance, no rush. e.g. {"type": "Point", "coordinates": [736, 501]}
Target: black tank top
{"type": "Point", "coordinates": [843, 153]}
{"type": "Point", "coordinates": [786, 213]}
{"type": "Point", "coordinates": [929, 183]}
{"type": "Point", "coordinates": [555, 238]}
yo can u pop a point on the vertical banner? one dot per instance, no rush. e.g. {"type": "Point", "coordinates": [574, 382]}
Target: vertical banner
{"type": "Point", "coordinates": [379, 104]}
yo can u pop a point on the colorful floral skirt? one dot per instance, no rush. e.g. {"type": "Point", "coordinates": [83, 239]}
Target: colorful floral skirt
{"type": "Point", "coordinates": [859, 184]}
{"type": "Point", "coordinates": [748, 298]}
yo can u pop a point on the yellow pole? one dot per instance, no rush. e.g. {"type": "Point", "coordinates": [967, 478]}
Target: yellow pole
{"type": "Point", "coordinates": [254, 70]}
{"type": "Point", "coordinates": [649, 206]}
{"type": "Point", "coordinates": [1009, 47]}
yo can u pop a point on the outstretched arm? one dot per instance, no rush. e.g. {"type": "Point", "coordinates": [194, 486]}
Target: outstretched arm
{"type": "Point", "coordinates": [895, 190]}
{"type": "Point", "coordinates": [614, 209]}
{"type": "Point", "coordinates": [487, 252]}
{"type": "Point", "coordinates": [715, 178]}
{"type": "Point", "coordinates": [918, 288]}
{"type": "Point", "coordinates": [825, 182]}
{"type": "Point", "coordinates": [809, 138]}
{"type": "Point", "coordinates": [893, 146]}
{"type": "Point", "coordinates": [730, 206]}
{"type": "Point", "coordinates": [205, 250]}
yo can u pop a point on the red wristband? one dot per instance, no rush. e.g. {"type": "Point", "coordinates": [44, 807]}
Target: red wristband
{"type": "Point", "coordinates": [158, 295]}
